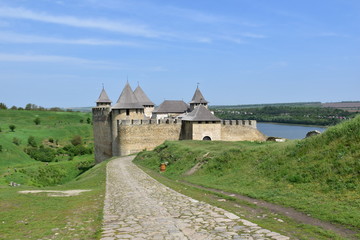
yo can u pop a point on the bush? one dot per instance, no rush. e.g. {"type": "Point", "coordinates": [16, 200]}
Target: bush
{"type": "Point", "coordinates": [41, 154]}
{"type": "Point", "coordinates": [81, 121]}
{"type": "Point", "coordinates": [0, 129]}
{"type": "Point", "coordinates": [12, 127]}
{"type": "Point", "coordinates": [88, 120]}
{"type": "Point", "coordinates": [16, 141]}
{"type": "Point", "coordinates": [32, 142]}
{"type": "Point", "coordinates": [51, 140]}
{"type": "Point", "coordinates": [1, 148]}
{"type": "Point", "coordinates": [37, 121]}
{"type": "Point", "coordinates": [76, 140]}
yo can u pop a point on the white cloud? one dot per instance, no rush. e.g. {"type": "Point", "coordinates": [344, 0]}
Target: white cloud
{"type": "Point", "coordinates": [21, 38]}
{"type": "Point", "coordinates": [102, 24]}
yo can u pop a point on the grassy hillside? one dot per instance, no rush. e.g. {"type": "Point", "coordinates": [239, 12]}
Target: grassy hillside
{"type": "Point", "coordinates": [39, 216]}
{"type": "Point", "coordinates": [319, 176]}
{"type": "Point", "coordinates": [60, 126]}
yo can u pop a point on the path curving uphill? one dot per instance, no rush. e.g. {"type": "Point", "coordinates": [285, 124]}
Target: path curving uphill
{"type": "Point", "coordinates": [139, 207]}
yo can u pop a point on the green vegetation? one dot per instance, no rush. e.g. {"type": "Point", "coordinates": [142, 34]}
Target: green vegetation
{"type": "Point", "coordinates": [319, 176]}
{"type": "Point", "coordinates": [286, 114]}
{"type": "Point", "coordinates": [41, 157]}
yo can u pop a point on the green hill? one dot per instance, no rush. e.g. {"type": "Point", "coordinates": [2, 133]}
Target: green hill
{"type": "Point", "coordinates": [55, 130]}
{"type": "Point", "coordinates": [319, 175]}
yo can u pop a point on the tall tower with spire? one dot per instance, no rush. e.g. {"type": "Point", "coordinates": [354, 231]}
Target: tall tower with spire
{"type": "Point", "coordinates": [198, 99]}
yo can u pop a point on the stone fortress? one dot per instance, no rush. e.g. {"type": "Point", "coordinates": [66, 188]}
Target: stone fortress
{"type": "Point", "coordinates": [133, 123]}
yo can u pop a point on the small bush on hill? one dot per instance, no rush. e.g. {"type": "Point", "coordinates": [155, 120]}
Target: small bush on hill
{"type": "Point", "coordinates": [32, 142]}
{"type": "Point", "coordinates": [37, 121]}
{"type": "Point", "coordinates": [76, 140]}
{"type": "Point", "coordinates": [1, 148]}
{"type": "Point", "coordinates": [0, 129]}
{"type": "Point", "coordinates": [16, 141]}
{"type": "Point", "coordinates": [12, 127]}
{"type": "Point", "coordinates": [51, 140]}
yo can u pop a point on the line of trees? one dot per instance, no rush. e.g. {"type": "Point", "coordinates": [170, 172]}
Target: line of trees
{"type": "Point", "coordinates": [286, 114]}
{"type": "Point", "coordinates": [34, 107]}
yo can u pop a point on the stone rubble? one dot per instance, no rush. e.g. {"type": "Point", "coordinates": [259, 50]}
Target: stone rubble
{"type": "Point", "coordinates": [139, 207]}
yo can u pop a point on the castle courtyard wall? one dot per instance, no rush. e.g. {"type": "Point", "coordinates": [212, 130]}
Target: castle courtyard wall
{"type": "Point", "coordinates": [134, 138]}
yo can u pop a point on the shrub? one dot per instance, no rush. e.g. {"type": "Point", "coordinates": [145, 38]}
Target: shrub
{"type": "Point", "coordinates": [76, 140]}
{"type": "Point", "coordinates": [16, 141]}
{"type": "Point", "coordinates": [32, 142]}
{"type": "Point", "coordinates": [41, 154]}
{"type": "Point", "coordinates": [37, 121]}
{"type": "Point", "coordinates": [88, 120]}
{"type": "Point", "coordinates": [0, 129]}
{"type": "Point", "coordinates": [12, 127]}
{"type": "Point", "coordinates": [1, 148]}
{"type": "Point", "coordinates": [51, 140]}
{"type": "Point", "coordinates": [81, 121]}
{"type": "Point", "coordinates": [13, 108]}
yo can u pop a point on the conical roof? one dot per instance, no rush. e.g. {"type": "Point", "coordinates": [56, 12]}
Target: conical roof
{"type": "Point", "coordinates": [127, 99]}
{"type": "Point", "coordinates": [198, 97]}
{"type": "Point", "coordinates": [103, 98]}
{"type": "Point", "coordinates": [141, 97]}
{"type": "Point", "coordinates": [201, 113]}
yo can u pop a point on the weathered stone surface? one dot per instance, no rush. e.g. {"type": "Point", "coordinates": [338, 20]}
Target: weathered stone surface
{"type": "Point", "coordinates": [138, 207]}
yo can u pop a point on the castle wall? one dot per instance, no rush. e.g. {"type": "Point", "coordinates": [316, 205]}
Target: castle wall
{"type": "Point", "coordinates": [240, 130]}
{"type": "Point", "coordinates": [136, 136]}
{"type": "Point", "coordinates": [102, 133]}
{"type": "Point", "coordinates": [148, 111]}
{"type": "Point", "coordinates": [202, 129]}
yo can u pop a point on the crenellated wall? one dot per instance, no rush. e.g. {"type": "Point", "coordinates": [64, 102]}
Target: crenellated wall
{"type": "Point", "coordinates": [240, 130]}
{"type": "Point", "coordinates": [137, 135]}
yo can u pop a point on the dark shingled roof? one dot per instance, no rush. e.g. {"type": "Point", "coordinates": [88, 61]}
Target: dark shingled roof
{"type": "Point", "coordinates": [127, 100]}
{"type": "Point", "coordinates": [201, 113]}
{"type": "Point", "coordinates": [172, 106]}
{"type": "Point", "coordinates": [103, 98]}
{"type": "Point", "coordinates": [198, 97]}
{"type": "Point", "coordinates": [141, 97]}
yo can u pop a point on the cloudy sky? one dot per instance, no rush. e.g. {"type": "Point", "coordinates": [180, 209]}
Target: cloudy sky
{"type": "Point", "coordinates": [60, 52]}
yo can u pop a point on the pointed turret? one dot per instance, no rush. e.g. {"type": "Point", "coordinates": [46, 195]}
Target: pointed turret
{"type": "Point", "coordinates": [142, 98]}
{"type": "Point", "coordinates": [103, 99]}
{"type": "Point", "coordinates": [127, 100]}
{"type": "Point", "coordinates": [144, 101]}
{"type": "Point", "coordinates": [198, 99]}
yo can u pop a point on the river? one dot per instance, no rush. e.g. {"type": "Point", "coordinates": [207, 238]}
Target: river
{"type": "Point", "coordinates": [289, 131]}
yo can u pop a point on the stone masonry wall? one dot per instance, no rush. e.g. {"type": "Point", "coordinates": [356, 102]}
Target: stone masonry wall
{"type": "Point", "coordinates": [102, 133]}
{"type": "Point", "coordinates": [201, 130]}
{"type": "Point", "coordinates": [134, 138]}
{"type": "Point", "coordinates": [231, 132]}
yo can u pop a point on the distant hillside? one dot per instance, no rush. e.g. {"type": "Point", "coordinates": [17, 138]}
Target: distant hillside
{"type": "Point", "coordinates": [347, 106]}
{"type": "Point", "coordinates": [296, 104]}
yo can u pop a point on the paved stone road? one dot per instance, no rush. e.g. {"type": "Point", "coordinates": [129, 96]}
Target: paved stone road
{"type": "Point", "coordinates": [138, 207]}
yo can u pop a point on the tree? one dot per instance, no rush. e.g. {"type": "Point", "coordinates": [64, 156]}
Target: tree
{"type": "Point", "coordinates": [32, 142]}
{"type": "Point", "coordinates": [76, 140]}
{"type": "Point", "coordinates": [13, 108]}
{"type": "Point", "coordinates": [12, 127]}
{"type": "Point", "coordinates": [3, 106]}
{"type": "Point", "coordinates": [37, 121]}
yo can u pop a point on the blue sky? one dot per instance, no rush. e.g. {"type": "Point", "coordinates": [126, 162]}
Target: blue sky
{"type": "Point", "coordinates": [59, 52]}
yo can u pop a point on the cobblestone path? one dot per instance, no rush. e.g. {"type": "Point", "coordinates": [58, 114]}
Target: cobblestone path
{"type": "Point", "coordinates": [139, 207]}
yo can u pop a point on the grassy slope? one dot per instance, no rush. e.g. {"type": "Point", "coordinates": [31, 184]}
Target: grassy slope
{"type": "Point", "coordinates": [37, 216]}
{"type": "Point", "coordinates": [61, 126]}
{"type": "Point", "coordinates": [319, 175]}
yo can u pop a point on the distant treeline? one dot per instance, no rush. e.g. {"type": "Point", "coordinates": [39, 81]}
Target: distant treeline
{"type": "Point", "coordinates": [34, 107]}
{"type": "Point", "coordinates": [285, 114]}
{"type": "Point", "coordinates": [296, 104]}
